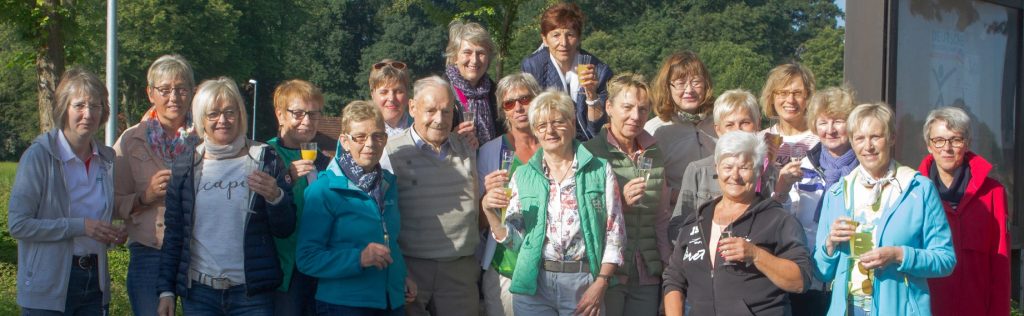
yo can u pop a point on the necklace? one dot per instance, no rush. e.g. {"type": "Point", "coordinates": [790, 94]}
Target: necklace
{"type": "Point", "coordinates": [564, 173]}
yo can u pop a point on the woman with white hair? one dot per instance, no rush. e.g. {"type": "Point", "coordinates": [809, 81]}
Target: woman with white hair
{"type": "Point", "coordinates": [975, 206]}
{"type": "Point", "coordinates": [223, 210]}
{"type": "Point", "coordinates": [469, 54]}
{"type": "Point", "coordinates": [882, 232]}
{"type": "Point", "coordinates": [564, 218]}
{"type": "Point", "coordinates": [742, 252]}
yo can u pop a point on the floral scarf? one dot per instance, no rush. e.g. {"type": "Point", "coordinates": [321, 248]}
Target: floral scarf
{"type": "Point", "coordinates": [168, 147]}
{"type": "Point", "coordinates": [475, 99]}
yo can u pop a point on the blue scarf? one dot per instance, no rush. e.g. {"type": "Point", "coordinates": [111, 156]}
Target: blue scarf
{"type": "Point", "coordinates": [367, 180]}
{"type": "Point", "coordinates": [837, 167]}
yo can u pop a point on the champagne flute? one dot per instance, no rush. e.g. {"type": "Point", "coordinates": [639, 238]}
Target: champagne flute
{"type": "Point", "coordinates": [308, 151]}
{"type": "Point", "coordinates": [507, 157]}
{"type": "Point", "coordinates": [643, 168]}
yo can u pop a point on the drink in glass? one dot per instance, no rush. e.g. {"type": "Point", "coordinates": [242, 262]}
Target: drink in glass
{"type": "Point", "coordinates": [582, 64]}
{"type": "Point", "coordinates": [469, 116]}
{"type": "Point", "coordinates": [643, 168]}
{"type": "Point", "coordinates": [726, 233]}
{"type": "Point", "coordinates": [308, 151]}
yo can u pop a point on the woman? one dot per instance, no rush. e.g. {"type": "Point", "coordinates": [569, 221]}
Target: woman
{"type": "Point", "coordinates": [298, 106]}
{"type": "Point", "coordinates": [826, 163]}
{"type": "Point", "coordinates": [469, 54]}
{"type": "Point", "coordinates": [559, 63]}
{"type": "Point", "coordinates": [902, 235]}
{"type": "Point", "coordinates": [498, 262]}
{"type": "Point", "coordinates": [223, 211]}
{"type": "Point", "coordinates": [975, 206]}
{"type": "Point", "coordinates": [784, 97]}
{"type": "Point", "coordinates": [61, 204]}
{"type": "Point", "coordinates": [349, 236]}
{"type": "Point", "coordinates": [682, 95]}
{"type": "Point", "coordinates": [625, 145]}
{"type": "Point", "coordinates": [742, 252]}
{"type": "Point", "coordinates": [145, 153]}
{"type": "Point", "coordinates": [389, 89]}
{"type": "Point", "coordinates": [574, 234]}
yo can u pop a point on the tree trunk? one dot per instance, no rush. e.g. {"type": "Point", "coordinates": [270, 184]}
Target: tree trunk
{"type": "Point", "coordinates": [49, 64]}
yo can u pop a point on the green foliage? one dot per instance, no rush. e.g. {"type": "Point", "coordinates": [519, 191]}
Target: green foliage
{"type": "Point", "coordinates": [18, 114]}
{"type": "Point", "coordinates": [823, 55]}
{"type": "Point", "coordinates": [734, 66]}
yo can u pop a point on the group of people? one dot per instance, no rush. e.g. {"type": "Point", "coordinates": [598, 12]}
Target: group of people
{"type": "Point", "coordinates": [559, 190]}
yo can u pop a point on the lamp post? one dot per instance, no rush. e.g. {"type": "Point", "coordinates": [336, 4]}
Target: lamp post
{"type": "Point", "coordinates": [255, 89]}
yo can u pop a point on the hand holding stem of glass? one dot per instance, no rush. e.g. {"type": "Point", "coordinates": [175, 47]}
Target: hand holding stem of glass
{"type": "Point", "coordinates": [308, 151]}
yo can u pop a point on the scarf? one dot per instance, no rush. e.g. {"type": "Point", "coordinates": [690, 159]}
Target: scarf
{"type": "Point", "coordinates": [687, 117]}
{"type": "Point", "coordinates": [367, 180]}
{"type": "Point", "coordinates": [476, 99]}
{"type": "Point", "coordinates": [224, 151]}
{"type": "Point", "coordinates": [876, 185]}
{"type": "Point", "coordinates": [168, 147]}
{"type": "Point", "coordinates": [955, 192]}
{"type": "Point", "coordinates": [835, 168]}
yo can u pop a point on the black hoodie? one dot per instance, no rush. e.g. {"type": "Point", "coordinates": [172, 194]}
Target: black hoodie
{"type": "Point", "coordinates": [738, 289]}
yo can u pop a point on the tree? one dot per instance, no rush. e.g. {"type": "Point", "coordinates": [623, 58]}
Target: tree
{"type": "Point", "coordinates": [734, 66]}
{"type": "Point", "coordinates": [823, 55]}
{"type": "Point", "coordinates": [18, 102]}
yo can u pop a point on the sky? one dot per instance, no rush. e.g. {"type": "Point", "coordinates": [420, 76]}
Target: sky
{"type": "Point", "coordinates": [842, 6]}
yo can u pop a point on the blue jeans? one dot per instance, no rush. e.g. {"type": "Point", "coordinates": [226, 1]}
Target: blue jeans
{"type": "Point", "coordinates": [143, 271]}
{"type": "Point", "coordinates": [203, 300]}
{"type": "Point", "coordinates": [300, 300]}
{"type": "Point", "coordinates": [328, 309]}
{"type": "Point", "coordinates": [557, 294]}
{"type": "Point", "coordinates": [84, 296]}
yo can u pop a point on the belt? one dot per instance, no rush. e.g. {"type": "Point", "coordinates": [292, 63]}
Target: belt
{"type": "Point", "coordinates": [566, 266]}
{"type": "Point", "coordinates": [85, 262]}
{"type": "Point", "coordinates": [211, 281]}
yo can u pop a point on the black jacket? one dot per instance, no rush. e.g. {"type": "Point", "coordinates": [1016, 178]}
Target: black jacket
{"type": "Point", "coordinates": [262, 270]}
{"type": "Point", "coordinates": [738, 289]}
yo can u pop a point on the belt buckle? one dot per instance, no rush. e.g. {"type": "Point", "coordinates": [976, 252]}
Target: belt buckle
{"type": "Point", "coordinates": [83, 262]}
{"type": "Point", "coordinates": [219, 283]}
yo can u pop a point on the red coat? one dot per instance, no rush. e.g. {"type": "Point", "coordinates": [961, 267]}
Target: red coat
{"type": "Point", "coordinates": [980, 283]}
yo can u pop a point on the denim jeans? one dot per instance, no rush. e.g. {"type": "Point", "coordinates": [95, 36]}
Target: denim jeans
{"type": "Point", "coordinates": [557, 294]}
{"type": "Point", "coordinates": [203, 300]}
{"type": "Point", "coordinates": [300, 300]}
{"type": "Point", "coordinates": [143, 271]}
{"type": "Point", "coordinates": [328, 309]}
{"type": "Point", "coordinates": [84, 297]}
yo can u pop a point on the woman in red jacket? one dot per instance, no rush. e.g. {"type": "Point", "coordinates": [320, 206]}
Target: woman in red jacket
{"type": "Point", "coordinates": [975, 206]}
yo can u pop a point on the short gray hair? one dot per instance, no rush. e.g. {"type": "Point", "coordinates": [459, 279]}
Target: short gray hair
{"type": "Point", "coordinates": [471, 32]}
{"type": "Point", "coordinates": [956, 120]}
{"type": "Point", "coordinates": [740, 143]}
{"type": "Point", "coordinates": [433, 81]}
{"type": "Point", "coordinates": [516, 80]}
{"type": "Point", "coordinates": [214, 91]}
{"type": "Point", "coordinates": [879, 111]}
{"type": "Point", "coordinates": [170, 66]}
{"type": "Point", "coordinates": [732, 100]}
{"type": "Point", "coordinates": [552, 101]}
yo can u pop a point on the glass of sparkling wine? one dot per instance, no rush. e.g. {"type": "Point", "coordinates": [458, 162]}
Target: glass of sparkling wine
{"type": "Point", "coordinates": [643, 167]}
{"type": "Point", "coordinates": [469, 116]}
{"type": "Point", "coordinates": [308, 151]}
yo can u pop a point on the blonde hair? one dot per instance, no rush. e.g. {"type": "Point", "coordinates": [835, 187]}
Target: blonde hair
{"type": "Point", "coordinates": [733, 100]}
{"type": "Point", "coordinates": [552, 101]}
{"type": "Point", "coordinates": [76, 82]}
{"type": "Point", "coordinates": [212, 92]}
{"type": "Point", "coordinates": [833, 102]}
{"type": "Point", "coordinates": [388, 74]}
{"type": "Point", "coordinates": [779, 77]}
{"type": "Point", "coordinates": [682, 64]}
{"type": "Point", "coordinates": [879, 111]}
{"type": "Point", "coordinates": [359, 111]}
{"type": "Point", "coordinates": [621, 82]}
{"type": "Point", "coordinates": [519, 79]}
{"type": "Point", "coordinates": [471, 32]}
{"type": "Point", "coordinates": [170, 66]}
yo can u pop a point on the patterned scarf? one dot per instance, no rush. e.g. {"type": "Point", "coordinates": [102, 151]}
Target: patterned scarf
{"type": "Point", "coordinates": [168, 147]}
{"type": "Point", "coordinates": [368, 181]}
{"type": "Point", "coordinates": [477, 99]}
{"type": "Point", "coordinates": [687, 117]}
{"type": "Point", "coordinates": [837, 167]}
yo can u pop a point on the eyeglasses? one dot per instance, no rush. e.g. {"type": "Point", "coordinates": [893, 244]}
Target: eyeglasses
{"type": "Point", "coordinates": [542, 127]}
{"type": "Point", "coordinates": [230, 115]}
{"type": "Point", "coordinates": [939, 142]}
{"type": "Point", "coordinates": [91, 107]}
{"type": "Point", "coordinates": [378, 138]}
{"type": "Point", "coordinates": [784, 94]}
{"type": "Point", "coordinates": [298, 115]}
{"type": "Point", "coordinates": [511, 104]}
{"type": "Point", "coordinates": [166, 91]}
{"type": "Point", "coordinates": [394, 64]}
{"type": "Point", "coordinates": [680, 84]}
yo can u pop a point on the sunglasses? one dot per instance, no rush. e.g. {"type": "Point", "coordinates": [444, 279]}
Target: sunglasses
{"type": "Point", "coordinates": [394, 64]}
{"type": "Point", "coordinates": [511, 104]}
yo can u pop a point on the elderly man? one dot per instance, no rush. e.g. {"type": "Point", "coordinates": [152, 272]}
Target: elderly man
{"type": "Point", "coordinates": [437, 198]}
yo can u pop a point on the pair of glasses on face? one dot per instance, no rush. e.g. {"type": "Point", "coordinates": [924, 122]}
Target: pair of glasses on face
{"type": "Point", "coordinates": [90, 107]}
{"type": "Point", "coordinates": [694, 83]}
{"type": "Point", "coordinates": [230, 115]}
{"type": "Point", "coordinates": [785, 94]}
{"type": "Point", "coordinates": [511, 104]}
{"type": "Point", "coordinates": [378, 138]}
{"type": "Point", "coordinates": [558, 125]}
{"type": "Point", "coordinates": [939, 142]}
{"type": "Point", "coordinates": [166, 91]}
{"type": "Point", "coordinates": [299, 115]}
{"type": "Point", "coordinates": [393, 64]}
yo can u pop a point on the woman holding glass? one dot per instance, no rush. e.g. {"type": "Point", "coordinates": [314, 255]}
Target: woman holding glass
{"type": "Point", "coordinates": [975, 206]}
{"type": "Point", "coordinates": [61, 204]}
{"type": "Point", "coordinates": [561, 63]}
{"type": "Point", "coordinates": [883, 232]}
{"type": "Point", "coordinates": [741, 253]}
{"type": "Point", "coordinates": [223, 211]}
{"type": "Point", "coordinates": [564, 219]}
{"type": "Point", "coordinates": [638, 164]}
{"type": "Point", "coordinates": [350, 229]}
{"type": "Point", "coordinates": [145, 153]}
{"type": "Point", "coordinates": [469, 54]}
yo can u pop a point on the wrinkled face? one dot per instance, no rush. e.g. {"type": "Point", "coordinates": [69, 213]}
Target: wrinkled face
{"type": "Point", "coordinates": [84, 116]}
{"type": "Point", "coordinates": [790, 101]}
{"type": "Point", "coordinates": [221, 122]}
{"type": "Point", "coordinates": [628, 112]}
{"type": "Point", "coordinates": [871, 146]}
{"type": "Point", "coordinates": [738, 120]}
{"type": "Point", "coordinates": [298, 122]}
{"type": "Point", "coordinates": [432, 112]}
{"type": "Point", "coordinates": [554, 131]}
{"type": "Point", "coordinates": [365, 140]}
{"type": "Point", "coordinates": [172, 97]}
{"type": "Point", "coordinates": [516, 106]}
{"type": "Point", "coordinates": [563, 44]}
{"type": "Point", "coordinates": [392, 100]}
{"type": "Point", "coordinates": [688, 92]}
{"type": "Point", "coordinates": [948, 157]}
{"type": "Point", "coordinates": [832, 132]}
{"type": "Point", "coordinates": [472, 62]}
{"type": "Point", "coordinates": [736, 177]}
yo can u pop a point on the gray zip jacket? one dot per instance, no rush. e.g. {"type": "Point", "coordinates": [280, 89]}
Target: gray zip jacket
{"type": "Point", "coordinates": [38, 217]}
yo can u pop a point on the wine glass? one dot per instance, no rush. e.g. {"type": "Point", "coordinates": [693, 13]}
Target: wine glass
{"type": "Point", "coordinates": [643, 168]}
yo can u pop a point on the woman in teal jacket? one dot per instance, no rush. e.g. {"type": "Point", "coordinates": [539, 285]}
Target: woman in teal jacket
{"type": "Point", "coordinates": [892, 217]}
{"type": "Point", "coordinates": [349, 236]}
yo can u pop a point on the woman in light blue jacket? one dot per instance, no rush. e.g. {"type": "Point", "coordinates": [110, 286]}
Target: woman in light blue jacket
{"type": "Point", "coordinates": [883, 232]}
